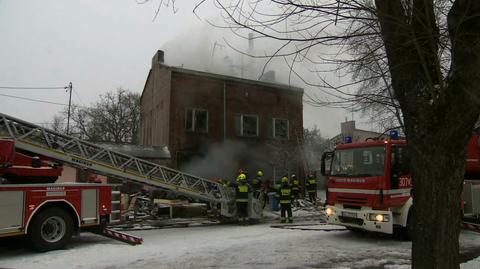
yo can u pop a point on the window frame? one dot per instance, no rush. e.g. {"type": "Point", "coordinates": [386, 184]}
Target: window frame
{"type": "Point", "coordinates": [242, 134]}
{"type": "Point", "coordinates": [193, 120]}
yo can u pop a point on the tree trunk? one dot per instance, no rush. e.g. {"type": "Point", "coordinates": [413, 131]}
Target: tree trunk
{"type": "Point", "coordinates": [438, 175]}
{"type": "Point", "coordinates": [439, 116]}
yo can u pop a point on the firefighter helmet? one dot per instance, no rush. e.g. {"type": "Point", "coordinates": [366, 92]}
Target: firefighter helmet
{"type": "Point", "coordinates": [241, 177]}
{"type": "Point", "coordinates": [284, 179]}
{"type": "Point", "coordinates": [260, 173]}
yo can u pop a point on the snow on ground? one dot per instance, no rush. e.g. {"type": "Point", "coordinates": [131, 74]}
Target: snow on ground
{"type": "Point", "coordinates": [228, 246]}
{"type": "Point", "coordinates": [306, 244]}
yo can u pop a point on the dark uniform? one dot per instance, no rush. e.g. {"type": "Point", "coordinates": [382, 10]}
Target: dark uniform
{"type": "Point", "coordinates": [266, 185]}
{"type": "Point", "coordinates": [257, 184]}
{"type": "Point", "coordinates": [311, 186]}
{"type": "Point", "coordinates": [295, 187]}
{"type": "Point", "coordinates": [285, 197]}
{"type": "Point", "coordinates": [242, 189]}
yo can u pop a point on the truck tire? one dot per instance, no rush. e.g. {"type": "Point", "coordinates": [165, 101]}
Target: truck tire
{"type": "Point", "coordinates": [50, 229]}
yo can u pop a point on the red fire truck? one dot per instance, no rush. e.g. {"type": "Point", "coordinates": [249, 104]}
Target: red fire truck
{"type": "Point", "coordinates": [49, 214]}
{"type": "Point", "coordinates": [31, 159]}
{"type": "Point", "coordinates": [369, 185]}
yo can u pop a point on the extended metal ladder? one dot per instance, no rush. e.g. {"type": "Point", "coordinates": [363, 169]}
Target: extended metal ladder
{"type": "Point", "coordinates": [82, 154]}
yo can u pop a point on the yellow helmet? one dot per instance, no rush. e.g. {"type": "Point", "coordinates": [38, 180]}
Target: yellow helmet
{"type": "Point", "coordinates": [260, 173]}
{"type": "Point", "coordinates": [284, 180]}
{"type": "Point", "coordinates": [241, 177]}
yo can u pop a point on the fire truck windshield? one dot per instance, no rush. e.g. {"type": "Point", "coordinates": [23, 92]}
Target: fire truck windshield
{"type": "Point", "coordinates": [359, 162]}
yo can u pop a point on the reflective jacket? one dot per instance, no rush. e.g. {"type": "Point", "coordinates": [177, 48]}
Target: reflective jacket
{"type": "Point", "coordinates": [256, 183]}
{"type": "Point", "coordinates": [242, 190]}
{"type": "Point", "coordinates": [296, 184]}
{"type": "Point", "coordinates": [284, 194]}
{"type": "Point", "coordinates": [311, 184]}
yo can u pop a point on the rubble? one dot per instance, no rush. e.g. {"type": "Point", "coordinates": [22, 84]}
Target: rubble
{"type": "Point", "coordinates": [143, 212]}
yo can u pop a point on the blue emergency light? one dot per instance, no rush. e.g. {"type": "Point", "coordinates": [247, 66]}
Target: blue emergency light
{"type": "Point", "coordinates": [348, 139]}
{"type": "Point", "coordinates": [393, 134]}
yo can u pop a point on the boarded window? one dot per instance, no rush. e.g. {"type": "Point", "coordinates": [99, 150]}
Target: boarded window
{"type": "Point", "coordinates": [246, 125]}
{"type": "Point", "coordinates": [196, 120]}
{"type": "Point", "coordinates": [280, 128]}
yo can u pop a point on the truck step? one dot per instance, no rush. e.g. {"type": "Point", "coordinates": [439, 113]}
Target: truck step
{"type": "Point", "coordinates": [121, 236]}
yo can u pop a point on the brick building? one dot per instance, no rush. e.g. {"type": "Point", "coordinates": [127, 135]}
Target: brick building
{"type": "Point", "coordinates": [221, 123]}
{"type": "Point", "coordinates": [348, 129]}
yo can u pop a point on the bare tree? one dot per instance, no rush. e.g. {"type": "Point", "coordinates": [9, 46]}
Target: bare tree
{"type": "Point", "coordinates": [58, 124]}
{"type": "Point", "coordinates": [114, 118]}
{"type": "Point", "coordinates": [420, 59]}
{"type": "Point", "coordinates": [314, 144]}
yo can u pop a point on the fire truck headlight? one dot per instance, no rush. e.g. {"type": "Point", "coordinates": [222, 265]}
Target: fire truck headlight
{"type": "Point", "coordinates": [379, 217]}
{"type": "Point", "coordinates": [329, 211]}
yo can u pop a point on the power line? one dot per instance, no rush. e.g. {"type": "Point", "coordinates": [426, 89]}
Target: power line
{"type": "Point", "coordinates": [34, 88]}
{"type": "Point", "coordinates": [79, 99]}
{"type": "Point", "coordinates": [33, 100]}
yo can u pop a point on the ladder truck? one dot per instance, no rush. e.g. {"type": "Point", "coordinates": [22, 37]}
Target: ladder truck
{"type": "Point", "coordinates": [49, 213]}
{"type": "Point", "coordinates": [369, 186]}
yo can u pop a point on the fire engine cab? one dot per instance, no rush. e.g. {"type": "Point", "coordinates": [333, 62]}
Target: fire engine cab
{"type": "Point", "coordinates": [369, 185]}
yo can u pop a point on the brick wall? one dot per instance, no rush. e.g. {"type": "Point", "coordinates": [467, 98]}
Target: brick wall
{"type": "Point", "coordinates": [155, 107]}
{"type": "Point", "coordinates": [169, 92]}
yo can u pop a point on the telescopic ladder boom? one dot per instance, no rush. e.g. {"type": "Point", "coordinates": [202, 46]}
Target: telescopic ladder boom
{"type": "Point", "coordinates": [85, 155]}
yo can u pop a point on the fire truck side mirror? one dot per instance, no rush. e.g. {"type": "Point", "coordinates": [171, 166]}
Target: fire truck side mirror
{"type": "Point", "coordinates": [326, 163]}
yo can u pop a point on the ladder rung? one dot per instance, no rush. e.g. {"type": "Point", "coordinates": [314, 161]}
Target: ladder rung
{"type": "Point", "coordinates": [82, 154]}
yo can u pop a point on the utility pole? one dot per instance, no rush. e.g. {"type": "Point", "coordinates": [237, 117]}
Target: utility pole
{"type": "Point", "coordinates": [70, 87]}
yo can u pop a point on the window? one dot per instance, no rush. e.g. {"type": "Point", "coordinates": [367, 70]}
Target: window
{"type": "Point", "coordinates": [246, 125]}
{"type": "Point", "coordinates": [400, 160]}
{"type": "Point", "coordinates": [280, 128]}
{"type": "Point", "coordinates": [359, 162]}
{"type": "Point", "coordinates": [196, 120]}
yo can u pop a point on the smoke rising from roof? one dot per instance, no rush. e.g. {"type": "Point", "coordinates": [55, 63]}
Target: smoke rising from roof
{"type": "Point", "coordinates": [221, 52]}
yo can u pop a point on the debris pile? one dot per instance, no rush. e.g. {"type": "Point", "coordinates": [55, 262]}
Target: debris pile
{"type": "Point", "coordinates": [143, 212]}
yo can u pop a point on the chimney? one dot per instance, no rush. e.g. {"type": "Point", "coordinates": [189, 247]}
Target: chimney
{"type": "Point", "coordinates": [158, 58]}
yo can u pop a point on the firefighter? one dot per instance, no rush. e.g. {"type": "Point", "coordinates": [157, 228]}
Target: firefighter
{"type": "Point", "coordinates": [285, 197]}
{"type": "Point", "coordinates": [295, 188]}
{"type": "Point", "coordinates": [242, 172]}
{"type": "Point", "coordinates": [266, 186]}
{"type": "Point", "coordinates": [311, 186]}
{"type": "Point", "coordinates": [257, 183]}
{"type": "Point", "coordinates": [242, 189]}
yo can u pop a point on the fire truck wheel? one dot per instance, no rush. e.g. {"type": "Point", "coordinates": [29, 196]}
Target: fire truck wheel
{"type": "Point", "coordinates": [50, 229]}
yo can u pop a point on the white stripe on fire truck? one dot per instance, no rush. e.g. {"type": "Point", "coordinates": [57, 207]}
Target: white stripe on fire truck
{"type": "Point", "coordinates": [363, 191]}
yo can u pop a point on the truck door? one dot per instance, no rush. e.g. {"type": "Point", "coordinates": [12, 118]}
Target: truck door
{"type": "Point", "coordinates": [399, 167]}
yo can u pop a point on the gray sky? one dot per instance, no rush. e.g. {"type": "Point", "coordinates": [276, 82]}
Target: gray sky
{"type": "Point", "coordinates": [100, 46]}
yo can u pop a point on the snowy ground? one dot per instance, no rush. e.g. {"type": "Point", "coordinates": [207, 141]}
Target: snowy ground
{"type": "Point", "coordinates": [230, 246]}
